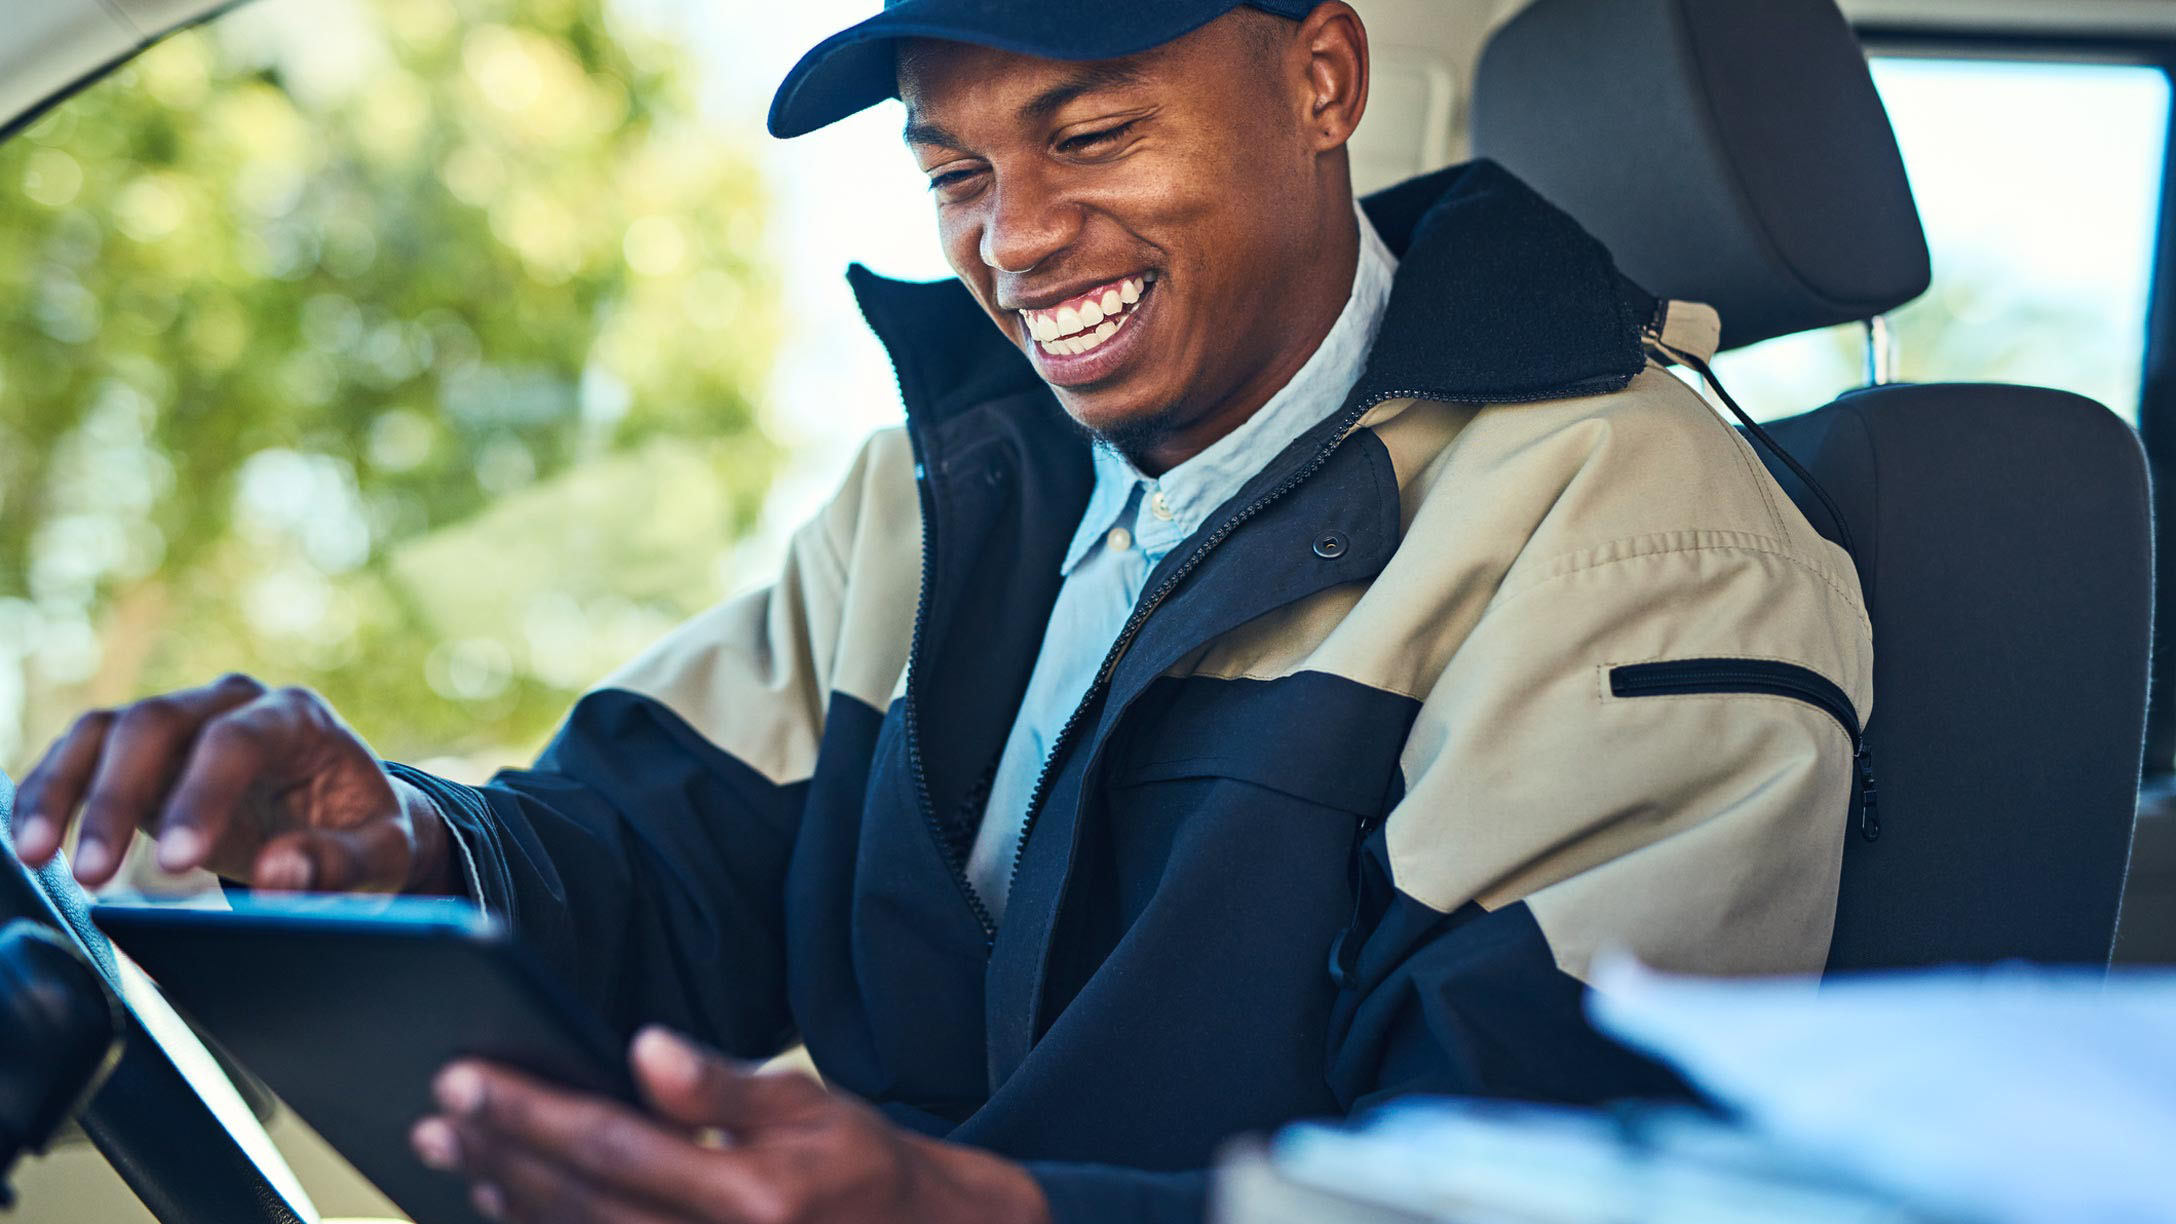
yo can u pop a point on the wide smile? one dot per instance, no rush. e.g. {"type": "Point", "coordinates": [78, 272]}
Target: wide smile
{"type": "Point", "coordinates": [1088, 337]}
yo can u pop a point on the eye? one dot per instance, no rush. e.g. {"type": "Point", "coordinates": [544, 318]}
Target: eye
{"type": "Point", "coordinates": [1102, 138]}
{"type": "Point", "coordinates": [952, 182]}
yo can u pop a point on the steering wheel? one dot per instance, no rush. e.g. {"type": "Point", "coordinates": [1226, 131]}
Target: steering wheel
{"type": "Point", "coordinates": [149, 1118]}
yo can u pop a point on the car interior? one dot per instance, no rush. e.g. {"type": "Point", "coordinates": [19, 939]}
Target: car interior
{"type": "Point", "coordinates": [2016, 798]}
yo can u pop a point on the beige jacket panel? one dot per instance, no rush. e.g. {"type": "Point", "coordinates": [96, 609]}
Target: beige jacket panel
{"type": "Point", "coordinates": [754, 674]}
{"type": "Point", "coordinates": [1545, 544]}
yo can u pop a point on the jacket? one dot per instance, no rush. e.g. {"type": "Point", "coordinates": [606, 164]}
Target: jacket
{"type": "Point", "coordinates": [1518, 657]}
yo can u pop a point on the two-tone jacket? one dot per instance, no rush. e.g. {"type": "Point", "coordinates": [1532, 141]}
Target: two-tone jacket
{"type": "Point", "coordinates": [1518, 656]}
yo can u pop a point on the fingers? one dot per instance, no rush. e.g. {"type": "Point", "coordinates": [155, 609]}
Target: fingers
{"type": "Point", "coordinates": [598, 1141]}
{"type": "Point", "coordinates": [51, 790]}
{"type": "Point", "coordinates": [116, 767]}
{"type": "Point", "coordinates": [514, 1184]}
{"type": "Point", "coordinates": [697, 1087]}
{"type": "Point", "coordinates": [375, 857]}
{"type": "Point", "coordinates": [146, 748]}
{"type": "Point", "coordinates": [250, 743]}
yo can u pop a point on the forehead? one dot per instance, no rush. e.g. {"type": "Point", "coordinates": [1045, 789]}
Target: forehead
{"type": "Point", "coordinates": [951, 84]}
{"type": "Point", "coordinates": [943, 74]}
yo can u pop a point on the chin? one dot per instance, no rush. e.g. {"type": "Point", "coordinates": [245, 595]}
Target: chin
{"type": "Point", "coordinates": [1124, 421]}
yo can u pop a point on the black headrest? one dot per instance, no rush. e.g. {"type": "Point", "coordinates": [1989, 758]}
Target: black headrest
{"type": "Point", "coordinates": [1732, 152]}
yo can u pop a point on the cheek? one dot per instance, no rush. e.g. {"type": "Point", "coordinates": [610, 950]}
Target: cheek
{"type": "Point", "coordinates": [1211, 214]}
{"type": "Point", "coordinates": [960, 235]}
{"type": "Point", "coordinates": [961, 239]}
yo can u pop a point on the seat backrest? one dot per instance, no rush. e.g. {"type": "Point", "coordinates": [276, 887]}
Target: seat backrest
{"type": "Point", "coordinates": [2004, 543]}
{"type": "Point", "coordinates": [1738, 154]}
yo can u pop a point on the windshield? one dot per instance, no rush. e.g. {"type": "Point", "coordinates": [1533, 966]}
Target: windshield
{"type": "Point", "coordinates": [414, 352]}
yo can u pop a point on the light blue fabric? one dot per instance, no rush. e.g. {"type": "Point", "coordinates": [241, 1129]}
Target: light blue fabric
{"type": "Point", "coordinates": [1132, 523]}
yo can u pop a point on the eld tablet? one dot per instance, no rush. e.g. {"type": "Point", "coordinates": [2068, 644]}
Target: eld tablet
{"type": "Point", "coordinates": [347, 1007]}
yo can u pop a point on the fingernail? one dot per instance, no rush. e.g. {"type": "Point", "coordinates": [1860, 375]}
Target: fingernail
{"type": "Point", "coordinates": [670, 1057]}
{"type": "Point", "coordinates": [91, 858]}
{"type": "Point", "coordinates": [460, 1090]}
{"type": "Point", "coordinates": [490, 1203]}
{"type": "Point", "coordinates": [288, 870]}
{"type": "Point", "coordinates": [180, 849]}
{"type": "Point", "coordinates": [34, 831]}
{"type": "Point", "coordinates": [435, 1143]}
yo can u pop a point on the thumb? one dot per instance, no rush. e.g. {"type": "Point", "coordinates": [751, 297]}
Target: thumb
{"type": "Point", "coordinates": [695, 1086]}
{"type": "Point", "coordinates": [372, 858]}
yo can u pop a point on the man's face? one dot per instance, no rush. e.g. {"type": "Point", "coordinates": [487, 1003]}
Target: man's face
{"type": "Point", "coordinates": [1145, 229]}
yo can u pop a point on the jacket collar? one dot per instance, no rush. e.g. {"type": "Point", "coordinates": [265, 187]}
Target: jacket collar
{"type": "Point", "coordinates": [1500, 297]}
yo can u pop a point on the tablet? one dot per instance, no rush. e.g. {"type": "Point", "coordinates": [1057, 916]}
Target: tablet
{"type": "Point", "coordinates": [347, 1007]}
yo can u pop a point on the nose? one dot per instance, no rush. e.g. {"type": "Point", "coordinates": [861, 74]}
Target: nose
{"type": "Point", "coordinates": [1028, 222]}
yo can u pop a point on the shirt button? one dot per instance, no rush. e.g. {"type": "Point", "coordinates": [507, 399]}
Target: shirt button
{"type": "Point", "coordinates": [1119, 540]}
{"type": "Point", "coordinates": [1159, 507]}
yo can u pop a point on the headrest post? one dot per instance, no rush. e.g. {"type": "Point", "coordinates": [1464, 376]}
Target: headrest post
{"type": "Point", "coordinates": [1880, 351]}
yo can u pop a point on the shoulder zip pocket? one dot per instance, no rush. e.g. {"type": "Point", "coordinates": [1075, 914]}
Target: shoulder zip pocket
{"type": "Point", "coordinates": [1771, 677]}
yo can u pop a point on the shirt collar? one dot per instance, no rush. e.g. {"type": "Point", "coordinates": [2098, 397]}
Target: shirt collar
{"type": "Point", "coordinates": [1194, 489]}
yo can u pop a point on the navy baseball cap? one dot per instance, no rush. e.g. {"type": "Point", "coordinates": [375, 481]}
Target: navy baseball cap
{"type": "Point", "coordinates": [854, 69]}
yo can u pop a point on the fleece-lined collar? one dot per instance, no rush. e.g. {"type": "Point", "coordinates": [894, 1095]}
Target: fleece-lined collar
{"type": "Point", "coordinates": [1500, 297]}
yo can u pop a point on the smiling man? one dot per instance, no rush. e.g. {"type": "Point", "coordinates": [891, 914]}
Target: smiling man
{"type": "Point", "coordinates": [1287, 642]}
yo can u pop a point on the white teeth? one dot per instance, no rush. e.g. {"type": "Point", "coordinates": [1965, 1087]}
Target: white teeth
{"type": "Point", "coordinates": [1070, 330]}
{"type": "Point", "coordinates": [1069, 346]}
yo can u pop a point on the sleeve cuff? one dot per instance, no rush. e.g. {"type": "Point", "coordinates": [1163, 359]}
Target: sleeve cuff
{"type": "Point", "coordinates": [475, 838]}
{"type": "Point", "coordinates": [460, 840]}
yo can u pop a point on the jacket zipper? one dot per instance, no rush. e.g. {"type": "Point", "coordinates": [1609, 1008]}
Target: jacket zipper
{"type": "Point", "coordinates": [953, 860]}
{"type": "Point", "coordinates": [1768, 676]}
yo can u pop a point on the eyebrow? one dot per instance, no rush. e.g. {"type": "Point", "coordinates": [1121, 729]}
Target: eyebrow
{"type": "Point", "coordinates": [1087, 79]}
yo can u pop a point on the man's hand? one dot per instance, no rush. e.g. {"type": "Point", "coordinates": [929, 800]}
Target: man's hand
{"type": "Point", "coordinates": [266, 787]}
{"type": "Point", "coordinates": [722, 1144]}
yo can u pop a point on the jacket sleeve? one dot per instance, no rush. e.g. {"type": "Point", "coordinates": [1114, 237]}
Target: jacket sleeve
{"type": "Point", "coordinates": [644, 854]}
{"type": "Point", "coordinates": [1548, 820]}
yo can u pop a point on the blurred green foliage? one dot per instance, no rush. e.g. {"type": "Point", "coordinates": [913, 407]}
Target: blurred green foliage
{"type": "Point", "coordinates": [399, 348]}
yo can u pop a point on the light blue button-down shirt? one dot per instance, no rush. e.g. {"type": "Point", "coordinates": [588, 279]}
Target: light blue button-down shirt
{"type": "Point", "coordinates": [1131, 524]}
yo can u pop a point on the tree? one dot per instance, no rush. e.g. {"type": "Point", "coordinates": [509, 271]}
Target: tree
{"type": "Point", "coordinates": [420, 372]}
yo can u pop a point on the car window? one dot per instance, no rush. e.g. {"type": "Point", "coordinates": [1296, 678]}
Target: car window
{"type": "Point", "coordinates": [404, 349]}
{"type": "Point", "coordinates": [2039, 184]}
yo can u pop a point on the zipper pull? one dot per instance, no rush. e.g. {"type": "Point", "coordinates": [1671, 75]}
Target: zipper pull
{"type": "Point", "coordinates": [1869, 815]}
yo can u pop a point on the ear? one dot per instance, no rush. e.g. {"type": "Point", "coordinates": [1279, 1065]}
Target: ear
{"type": "Point", "coordinates": [1336, 45]}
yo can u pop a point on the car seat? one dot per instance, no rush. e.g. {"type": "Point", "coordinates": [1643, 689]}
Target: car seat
{"type": "Point", "coordinates": [1737, 154]}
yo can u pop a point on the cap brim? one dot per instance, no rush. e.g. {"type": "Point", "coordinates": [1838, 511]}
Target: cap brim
{"type": "Point", "coordinates": [854, 69]}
